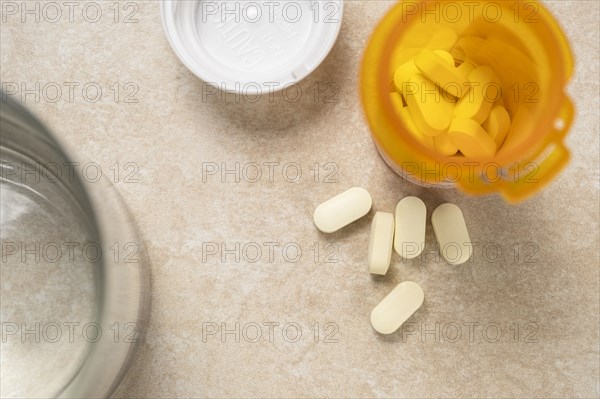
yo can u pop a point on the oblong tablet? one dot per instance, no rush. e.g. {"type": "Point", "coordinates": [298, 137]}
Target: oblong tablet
{"type": "Point", "coordinates": [465, 69]}
{"type": "Point", "coordinates": [403, 74]}
{"type": "Point", "coordinates": [342, 209]}
{"type": "Point", "coordinates": [443, 39]}
{"type": "Point", "coordinates": [444, 146]}
{"type": "Point", "coordinates": [407, 118]}
{"type": "Point", "coordinates": [497, 124]}
{"type": "Point", "coordinates": [451, 233]}
{"type": "Point", "coordinates": [409, 236]}
{"type": "Point", "coordinates": [446, 56]}
{"type": "Point", "coordinates": [431, 111]}
{"type": "Point", "coordinates": [381, 242]}
{"type": "Point", "coordinates": [397, 307]}
{"type": "Point", "coordinates": [439, 69]}
{"type": "Point", "coordinates": [478, 102]}
{"type": "Point", "coordinates": [470, 138]}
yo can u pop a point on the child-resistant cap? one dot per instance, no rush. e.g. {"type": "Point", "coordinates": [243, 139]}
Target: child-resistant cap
{"type": "Point", "coordinates": [251, 47]}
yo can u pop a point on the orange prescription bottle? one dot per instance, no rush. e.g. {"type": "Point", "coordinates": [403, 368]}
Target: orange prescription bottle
{"type": "Point", "coordinates": [523, 44]}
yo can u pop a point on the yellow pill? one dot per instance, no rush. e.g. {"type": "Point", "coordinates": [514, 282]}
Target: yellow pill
{"type": "Point", "coordinates": [446, 56]}
{"type": "Point", "coordinates": [443, 145]}
{"type": "Point", "coordinates": [443, 39]}
{"type": "Point", "coordinates": [403, 74]}
{"type": "Point", "coordinates": [471, 139]}
{"type": "Point", "coordinates": [465, 68]}
{"type": "Point", "coordinates": [454, 90]}
{"type": "Point", "coordinates": [466, 45]}
{"type": "Point", "coordinates": [406, 117]}
{"type": "Point", "coordinates": [482, 94]}
{"type": "Point", "coordinates": [402, 55]}
{"type": "Point", "coordinates": [497, 124]}
{"type": "Point", "coordinates": [521, 124]}
{"type": "Point", "coordinates": [431, 111]}
{"type": "Point", "coordinates": [438, 70]}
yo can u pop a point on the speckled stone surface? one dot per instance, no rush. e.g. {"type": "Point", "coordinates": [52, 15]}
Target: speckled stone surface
{"type": "Point", "coordinates": [524, 325]}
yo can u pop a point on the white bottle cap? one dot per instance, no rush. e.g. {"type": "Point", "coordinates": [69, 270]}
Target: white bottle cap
{"type": "Point", "coordinates": [251, 46]}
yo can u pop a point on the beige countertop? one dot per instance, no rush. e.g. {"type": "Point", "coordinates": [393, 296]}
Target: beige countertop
{"type": "Point", "coordinates": [233, 259]}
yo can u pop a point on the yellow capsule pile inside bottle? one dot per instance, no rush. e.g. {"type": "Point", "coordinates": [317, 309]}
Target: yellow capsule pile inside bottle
{"type": "Point", "coordinates": [449, 106]}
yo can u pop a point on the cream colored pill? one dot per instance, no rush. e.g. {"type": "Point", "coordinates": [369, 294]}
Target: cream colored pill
{"type": "Point", "coordinates": [451, 233]}
{"type": "Point", "coordinates": [397, 307]}
{"type": "Point", "coordinates": [409, 236]}
{"type": "Point", "coordinates": [470, 138]}
{"type": "Point", "coordinates": [342, 209]}
{"type": "Point", "coordinates": [497, 124]}
{"type": "Point", "coordinates": [381, 242]}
